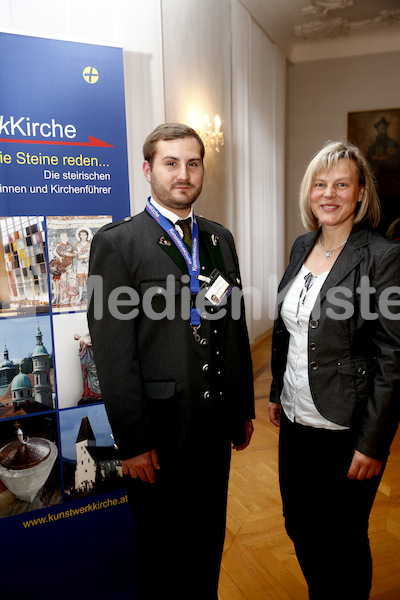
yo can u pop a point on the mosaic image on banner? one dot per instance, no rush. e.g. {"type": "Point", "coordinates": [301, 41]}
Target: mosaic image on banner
{"type": "Point", "coordinates": [63, 175]}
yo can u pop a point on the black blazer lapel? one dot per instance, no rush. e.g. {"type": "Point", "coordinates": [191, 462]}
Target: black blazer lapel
{"type": "Point", "coordinates": [299, 253]}
{"type": "Point", "coordinates": [166, 243]}
{"type": "Point", "coordinates": [210, 251]}
{"type": "Point", "coordinates": [347, 259]}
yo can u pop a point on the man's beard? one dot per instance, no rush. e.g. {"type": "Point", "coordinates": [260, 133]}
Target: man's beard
{"type": "Point", "coordinates": [175, 200]}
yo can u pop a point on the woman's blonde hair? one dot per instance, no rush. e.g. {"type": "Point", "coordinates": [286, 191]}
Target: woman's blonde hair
{"type": "Point", "coordinates": [324, 160]}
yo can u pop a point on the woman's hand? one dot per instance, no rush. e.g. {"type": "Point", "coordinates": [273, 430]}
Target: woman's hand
{"type": "Point", "coordinates": [275, 411]}
{"type": "Point", "coordinates": [363, 467]}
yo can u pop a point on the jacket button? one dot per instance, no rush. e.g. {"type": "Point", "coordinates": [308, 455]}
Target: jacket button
{"type": "Point", "coordinates": [205, 367]}
{"type": "Point", "coordinates": [206, 395]}
{"type": "Point", "coordinates": [203, 342]}
{"type": "Point", "coordinates": [313, 346]}
{"type": "Point", "coordinates": [314, 366]}
{"type": "Point", "coordinates": [314, 324]}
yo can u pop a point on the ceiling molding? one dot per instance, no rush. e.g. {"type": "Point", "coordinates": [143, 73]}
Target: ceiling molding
{"type": "Point", "coordinates": [337, 26]}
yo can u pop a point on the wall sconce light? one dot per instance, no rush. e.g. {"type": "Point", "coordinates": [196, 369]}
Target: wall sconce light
{"type": "Point", "coordinates": [213, 140]}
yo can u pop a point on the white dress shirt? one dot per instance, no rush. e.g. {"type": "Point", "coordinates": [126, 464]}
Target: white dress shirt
{"type": "Point", "coordinates": [296, 395]}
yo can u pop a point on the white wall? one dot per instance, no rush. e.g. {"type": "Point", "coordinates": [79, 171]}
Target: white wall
{"type": "Point", "coordinates": [197, 77]}
{"type": "Point", "coordinates": [258, 122]}
{"type": "Point", "coordinates": [133, 24]}
{"type": "Point", "coordinates": [321, 94]}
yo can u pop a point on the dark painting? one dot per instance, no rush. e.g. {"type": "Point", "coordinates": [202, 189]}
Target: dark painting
{"type": "Point", "coordinates": [377, 133]}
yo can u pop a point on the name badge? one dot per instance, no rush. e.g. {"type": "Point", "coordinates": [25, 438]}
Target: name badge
{"type": "Point", "coordinates": [219, 288]}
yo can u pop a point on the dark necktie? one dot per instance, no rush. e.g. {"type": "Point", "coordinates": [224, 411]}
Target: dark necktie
{"type": "Point", "coordinates": [186, 226]}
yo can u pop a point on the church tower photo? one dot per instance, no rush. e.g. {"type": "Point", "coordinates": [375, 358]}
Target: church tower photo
{"type": "Point", "coordinates": [41, 372]}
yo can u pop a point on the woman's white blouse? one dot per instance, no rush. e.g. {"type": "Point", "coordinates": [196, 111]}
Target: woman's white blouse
{"type": "Point", "coordinates": [296, 396]}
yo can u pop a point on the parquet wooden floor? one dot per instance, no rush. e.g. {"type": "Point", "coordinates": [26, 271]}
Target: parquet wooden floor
{"type": "Point", "coordinates": [259, 562]}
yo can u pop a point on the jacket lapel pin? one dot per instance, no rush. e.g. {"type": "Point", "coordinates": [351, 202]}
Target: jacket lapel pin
{"type": "Point", "coordinates": [214, 239]}
{"type": "Point", "coordinates": [164, 242]}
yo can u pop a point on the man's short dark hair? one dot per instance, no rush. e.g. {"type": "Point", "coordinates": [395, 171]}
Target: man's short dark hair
{"type": "Point", "coordinates": [166, 132]}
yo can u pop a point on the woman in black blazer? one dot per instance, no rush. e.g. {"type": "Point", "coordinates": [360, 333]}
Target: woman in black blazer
{"type": "Point", "coordinates": [336, 372]}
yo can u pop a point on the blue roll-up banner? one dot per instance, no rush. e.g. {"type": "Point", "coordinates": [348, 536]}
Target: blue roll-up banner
{"type": "Point", "coordinates": [65, 524]}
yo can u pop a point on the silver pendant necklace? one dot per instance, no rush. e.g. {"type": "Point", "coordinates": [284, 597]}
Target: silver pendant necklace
{"type": "Point", "coordinates": [329, 252]}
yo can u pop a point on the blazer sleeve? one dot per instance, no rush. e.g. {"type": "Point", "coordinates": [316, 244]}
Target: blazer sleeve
{"type": "Point", "coordinates": [114, 338]}
{"type": "Point", "coordinates": [380, 417]}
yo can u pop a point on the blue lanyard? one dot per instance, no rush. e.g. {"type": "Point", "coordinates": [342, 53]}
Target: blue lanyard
{"type": "Point", "coordinates": [192, 261]}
